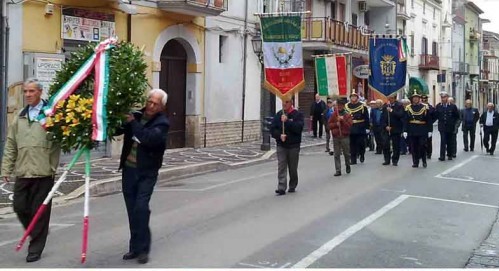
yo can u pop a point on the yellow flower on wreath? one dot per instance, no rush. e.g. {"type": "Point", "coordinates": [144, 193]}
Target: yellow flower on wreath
{"type": "Point", "coordinates": [87, 114]}
{"type": "Point", "coordinates": [66, 131]}
{"type": "Point", "coordinates": [60, 104]}
{"type": "Point", "coordinates": [69, 117]}
{"type": "Point", "coordinates": [58, 117]}
{"type": "Point", "coordinates": [70, 106]}
{"type": "Point", "coordinates": [76, 122]}
{"type": "Point", "coordinates": [49, 122]}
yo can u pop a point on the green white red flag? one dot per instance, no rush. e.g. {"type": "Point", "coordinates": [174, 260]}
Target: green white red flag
{"type": "Point", "coordinates": [331, 75]}
{"type": "Point", "coordinates": [283, 56]}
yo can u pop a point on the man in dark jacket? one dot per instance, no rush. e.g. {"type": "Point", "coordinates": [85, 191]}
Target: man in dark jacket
{"type": "Point", "coordinates": [392, 124]}
{"type": "Point", "coordinates": [431, 111]}
{"type": "Point", "coordinates": [359, 129]}
{"type": "Point", "coordinates": [447, 115]}
{"type": "Point", "coordinates": [316, 110]}
{"type": "Point", "coordinates": [288, 141]}
{"type": "Point", "coordinates": [469, 117]}
{"type": "Point", "coordinates": [141, 158]}
{"type": "Point", "coordinates": [490, 123]}
{"type": "Point", "coordinates": [375, 122]}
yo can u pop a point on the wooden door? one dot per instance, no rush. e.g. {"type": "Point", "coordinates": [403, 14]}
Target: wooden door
{"type": "Point", "coordinates": [173, 81]}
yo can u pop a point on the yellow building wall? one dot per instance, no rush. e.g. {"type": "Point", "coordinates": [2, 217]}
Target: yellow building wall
{"type": "Point", "coordinates": [42, 33]}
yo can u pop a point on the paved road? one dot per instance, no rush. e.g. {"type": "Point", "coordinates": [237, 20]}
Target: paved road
{"type": "Point", "coordinates": [377, 217]}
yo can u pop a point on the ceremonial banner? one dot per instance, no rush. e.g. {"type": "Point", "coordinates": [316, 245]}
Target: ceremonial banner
{"type": "Point", "coordinates": [331, 75]}
{"type": "Point", "coordinates": [387, 65]}
{"type": "Point", "coordinates": [282, 53]}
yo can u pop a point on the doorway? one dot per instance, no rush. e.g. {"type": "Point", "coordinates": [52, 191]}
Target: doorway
{"type": "Point", "coordinates": [173, 81]}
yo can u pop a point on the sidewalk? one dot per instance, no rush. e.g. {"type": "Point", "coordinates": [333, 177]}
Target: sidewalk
{"type": "Point", "coordinates": [178, 163]}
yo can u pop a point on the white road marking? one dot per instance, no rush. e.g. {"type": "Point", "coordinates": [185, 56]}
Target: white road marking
{"type": "Point", "coordinates": [396, 191]}
{"type": "Point", "coordinates": [330, 245]}
{"type": "Point", "coordinates": [285, 265]}
{"type": "Point", "coordinates": [213, 186]}
{"type": "Point", "coordinates": [456, 166]}
{"type": "Point", "coordinates": [467, 180]}
{"type": "Point", "coordinates": [455, 201]}
{"type": "Point", "coordinates": [252, 265]}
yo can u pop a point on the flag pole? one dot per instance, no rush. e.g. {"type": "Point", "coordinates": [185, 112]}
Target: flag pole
{"type": "Point", "coordinates": [86, 207]}
{"type": "Point", "coordinates": [42, 207]}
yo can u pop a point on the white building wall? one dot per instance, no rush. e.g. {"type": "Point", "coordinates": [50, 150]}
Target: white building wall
{"type": "Point", "coordinates": [15, 57]}
{"type": "Point", "coordinates": [224, 80]}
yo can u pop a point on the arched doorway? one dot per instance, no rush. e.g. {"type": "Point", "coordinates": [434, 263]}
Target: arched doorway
{"type": "Point", "coordinates": [173, 81]}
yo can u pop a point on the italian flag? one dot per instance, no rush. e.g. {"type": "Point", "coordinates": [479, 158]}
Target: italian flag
{"type": "Point", "coordinates": [403, 49]}
{"type": "Point", "coordinates": [331, 75]}
{"type": "Point", "coordinates": [282, 54]}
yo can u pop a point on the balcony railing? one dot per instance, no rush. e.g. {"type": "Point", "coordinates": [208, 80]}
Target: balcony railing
{"type": "Point", "coordinates": [320, 29]}
{"type": "Point", "coordinates": [461, 68]}
{"type": "Point", "coordinates": [201, 8]}
{"type": "Point", "coordinates": [429, 62]}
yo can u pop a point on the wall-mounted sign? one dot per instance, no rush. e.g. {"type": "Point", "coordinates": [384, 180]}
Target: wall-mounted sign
{"type": "Point", "coordinates": [42, 67]}
{"type": "Point", "coordinates": [86, 25]}
{"type": "Point", "coordinates": [361, 71]}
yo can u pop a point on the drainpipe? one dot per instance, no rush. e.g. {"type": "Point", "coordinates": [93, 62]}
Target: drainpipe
{"type": "Point", "coordinates": [245, 53]}
{"type": "Point", "coordinates": [129, 25]}
{"type": "Point", "coordinates": [3, 75]}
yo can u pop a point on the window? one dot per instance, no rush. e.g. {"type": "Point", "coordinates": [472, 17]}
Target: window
{"type": "Point", "coordinates": [354, 19]}
{"type": "Point", "coordinates": [341, 16]}
{"type": "Point", "coordinates": [433, 13]}
{"type": "Point", "coordinates": [222, 45]}
{"type": "Point", "coordinates": [333, 10]}
{"type": "Point", "coordinates": [412, 44]}
{"type": "Point", "coordinates": [366, 18]}
{"type": "Point", "coordinates": [424, 7]}
{"type": "Point", "coordinates": [412, 3]}
{"type": "Point", "coordinates": [424, 46]}
{"type": "Point", "coordinates": [434, 48]}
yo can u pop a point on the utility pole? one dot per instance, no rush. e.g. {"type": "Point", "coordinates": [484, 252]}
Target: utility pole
{"type": "Point", "coordinates": [3, 76]}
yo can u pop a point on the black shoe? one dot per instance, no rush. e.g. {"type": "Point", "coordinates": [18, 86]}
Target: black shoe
{"type": "Point", "coordinates": [337, 174]}
{"type": "Point", "coordinates": [472, 150]}
{"type": "Point", "coordinates": [441, 159]}
{"type": "Point", "coordinates": [491, 153]}
{"type": "Point", "coordinates": [143, 258]}
{"type": "Point", "coordinates": [331, 153]}
{"type": "Point", "coordinates": [130, 256]}
{"type": "Point", "coordinates": [403, 153]}
{"type": "Point", "coordinates": [32, 257]}
{"type": "Point", "coordinates": [377, 153]}
{"type": "Point", "coordinates": [449, 158]}
{"type": "Point", "coordinates": [386, 163]}
{"type": "Point", "coordinates": [415, 166]}
{"type": "Point", "coordinates": [454, 156]}
{"type": "Point", "coordinates": [466, 150]}
{"type": "Point", "coordinates": [326, 151]}
{"type": "Point", "coordinates": [291, 190]}
{"type": "Point", "coordinates": [353, 163]}
{"type": "Point", "coordinates": [280, 192]}
{"type": "Point", "coordinates": [362, 158]}
{"type": "Point", "coordinates": [424, 164]}
{"type": "Point", "coordinates": [395, 163]}
{"type": "Point", "coordinates": [428, 157]}
{"type": "Point", "coordinates": [349, 169]}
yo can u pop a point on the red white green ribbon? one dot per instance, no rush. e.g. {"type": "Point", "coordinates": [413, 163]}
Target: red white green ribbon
{"type": "Point", "coordinates": [99, 62]}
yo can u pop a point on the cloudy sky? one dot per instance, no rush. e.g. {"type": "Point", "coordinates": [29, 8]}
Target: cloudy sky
{"type": "Point", "coordinates": [491, 8]}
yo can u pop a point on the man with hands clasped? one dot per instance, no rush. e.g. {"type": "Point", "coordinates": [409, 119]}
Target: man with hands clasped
{"type": "Point", "coordinates": [417, 125]}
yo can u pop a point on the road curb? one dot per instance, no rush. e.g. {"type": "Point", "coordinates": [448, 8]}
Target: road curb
{"type": "Point", "coordinates": [113, 185]}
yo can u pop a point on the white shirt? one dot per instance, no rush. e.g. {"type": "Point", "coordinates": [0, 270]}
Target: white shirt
{"type": "Point", "coordinates": [34, 111]}
{"type": "Point", "coordinates": [490, 119]}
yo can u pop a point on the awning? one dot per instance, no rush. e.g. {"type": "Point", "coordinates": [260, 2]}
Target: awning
{"type": "Point", "coordinates": [419, 84]}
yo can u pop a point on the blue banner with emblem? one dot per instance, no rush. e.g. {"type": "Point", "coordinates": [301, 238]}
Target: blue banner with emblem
{"type": "Point", "coordinates": [387, 65]}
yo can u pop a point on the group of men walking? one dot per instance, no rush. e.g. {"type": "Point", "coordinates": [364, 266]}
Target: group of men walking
{"type": "Point", "coordinates": [392, 124]}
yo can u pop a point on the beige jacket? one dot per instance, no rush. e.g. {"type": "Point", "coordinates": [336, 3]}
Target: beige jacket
{"type": "Point", "coordinates": [28, 152]}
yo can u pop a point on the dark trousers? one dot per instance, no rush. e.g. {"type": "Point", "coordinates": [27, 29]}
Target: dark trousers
{"type": "Point", "coordinates": [137, 186]}
{"type": "Point", "coordinates": [378, 137]}
{"type": "Point", "coordinates": [328, 139]}
{"type": "Point", "coordinates": [357, 146]}
{"type": "Point", "coordinates": [393, 141]}
{"type": "Point", "coordinates": [403, 145]}
{"type": "Point", "coordinates": [418, 148]}
{"type": "Point", "coordinates": [429, 146]}
{"type": "Point", "coordinates": [287, 160]}
{"type": "Point", "coordinates": [317, 120]}
{"type": "Point", "coordinates": [487, 134]}
{"type": "Point", "coordinates": [447, 143]}
{"type": "Point", "coordinates": [471, 143]}
{"type": "Point", "coordinates": [29, 194]}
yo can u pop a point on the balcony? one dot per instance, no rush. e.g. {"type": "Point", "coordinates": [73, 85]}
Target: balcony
{"type": "Point", "coordinates": [474, 70]}
{"type": "Point", "coordinates": [429, 62]}
{"type": "Point", "coordinates": [198, 8]}
{"type": "Point", "coordinates": [402, 13]}
{"type": "Point", "coordinates": [461, 68]}
{"type": "Point", "coordinates": [318, 33]}
{"type": "Point", "coordinates": [474, 35]}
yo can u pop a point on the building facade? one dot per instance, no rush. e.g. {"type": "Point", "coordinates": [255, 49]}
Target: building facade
{"type": "Point", "coordinates": [472, 43]}
{"type": "Point", "coordinates": [490, 66]}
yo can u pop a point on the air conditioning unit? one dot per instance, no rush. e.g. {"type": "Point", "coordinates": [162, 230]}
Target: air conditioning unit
{"type": "Point", "coordinates": [362, 6]}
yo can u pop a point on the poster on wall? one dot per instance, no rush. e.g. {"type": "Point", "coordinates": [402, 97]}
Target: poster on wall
{"type": "Point", "coordinates": [86, 25]}
{"type": "Point", "coordinates": [45, 71]}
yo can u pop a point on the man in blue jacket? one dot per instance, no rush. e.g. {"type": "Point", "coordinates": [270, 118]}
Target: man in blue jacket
{"type": "Point", "coordinates": [447, 115]}
{"type": "Point", "coordinates": [288, 141]}
{"type": "Point", "coordinates": [141, 158]}
{"type": "Point", "coordinates": [469, 117]}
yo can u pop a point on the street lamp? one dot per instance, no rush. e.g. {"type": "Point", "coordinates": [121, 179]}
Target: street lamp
{"type": "Point", "coordinates": [266, 98]}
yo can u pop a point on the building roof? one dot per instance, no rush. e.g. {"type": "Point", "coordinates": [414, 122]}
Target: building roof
{"type": "Point", "coordinates": [474, 7]}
